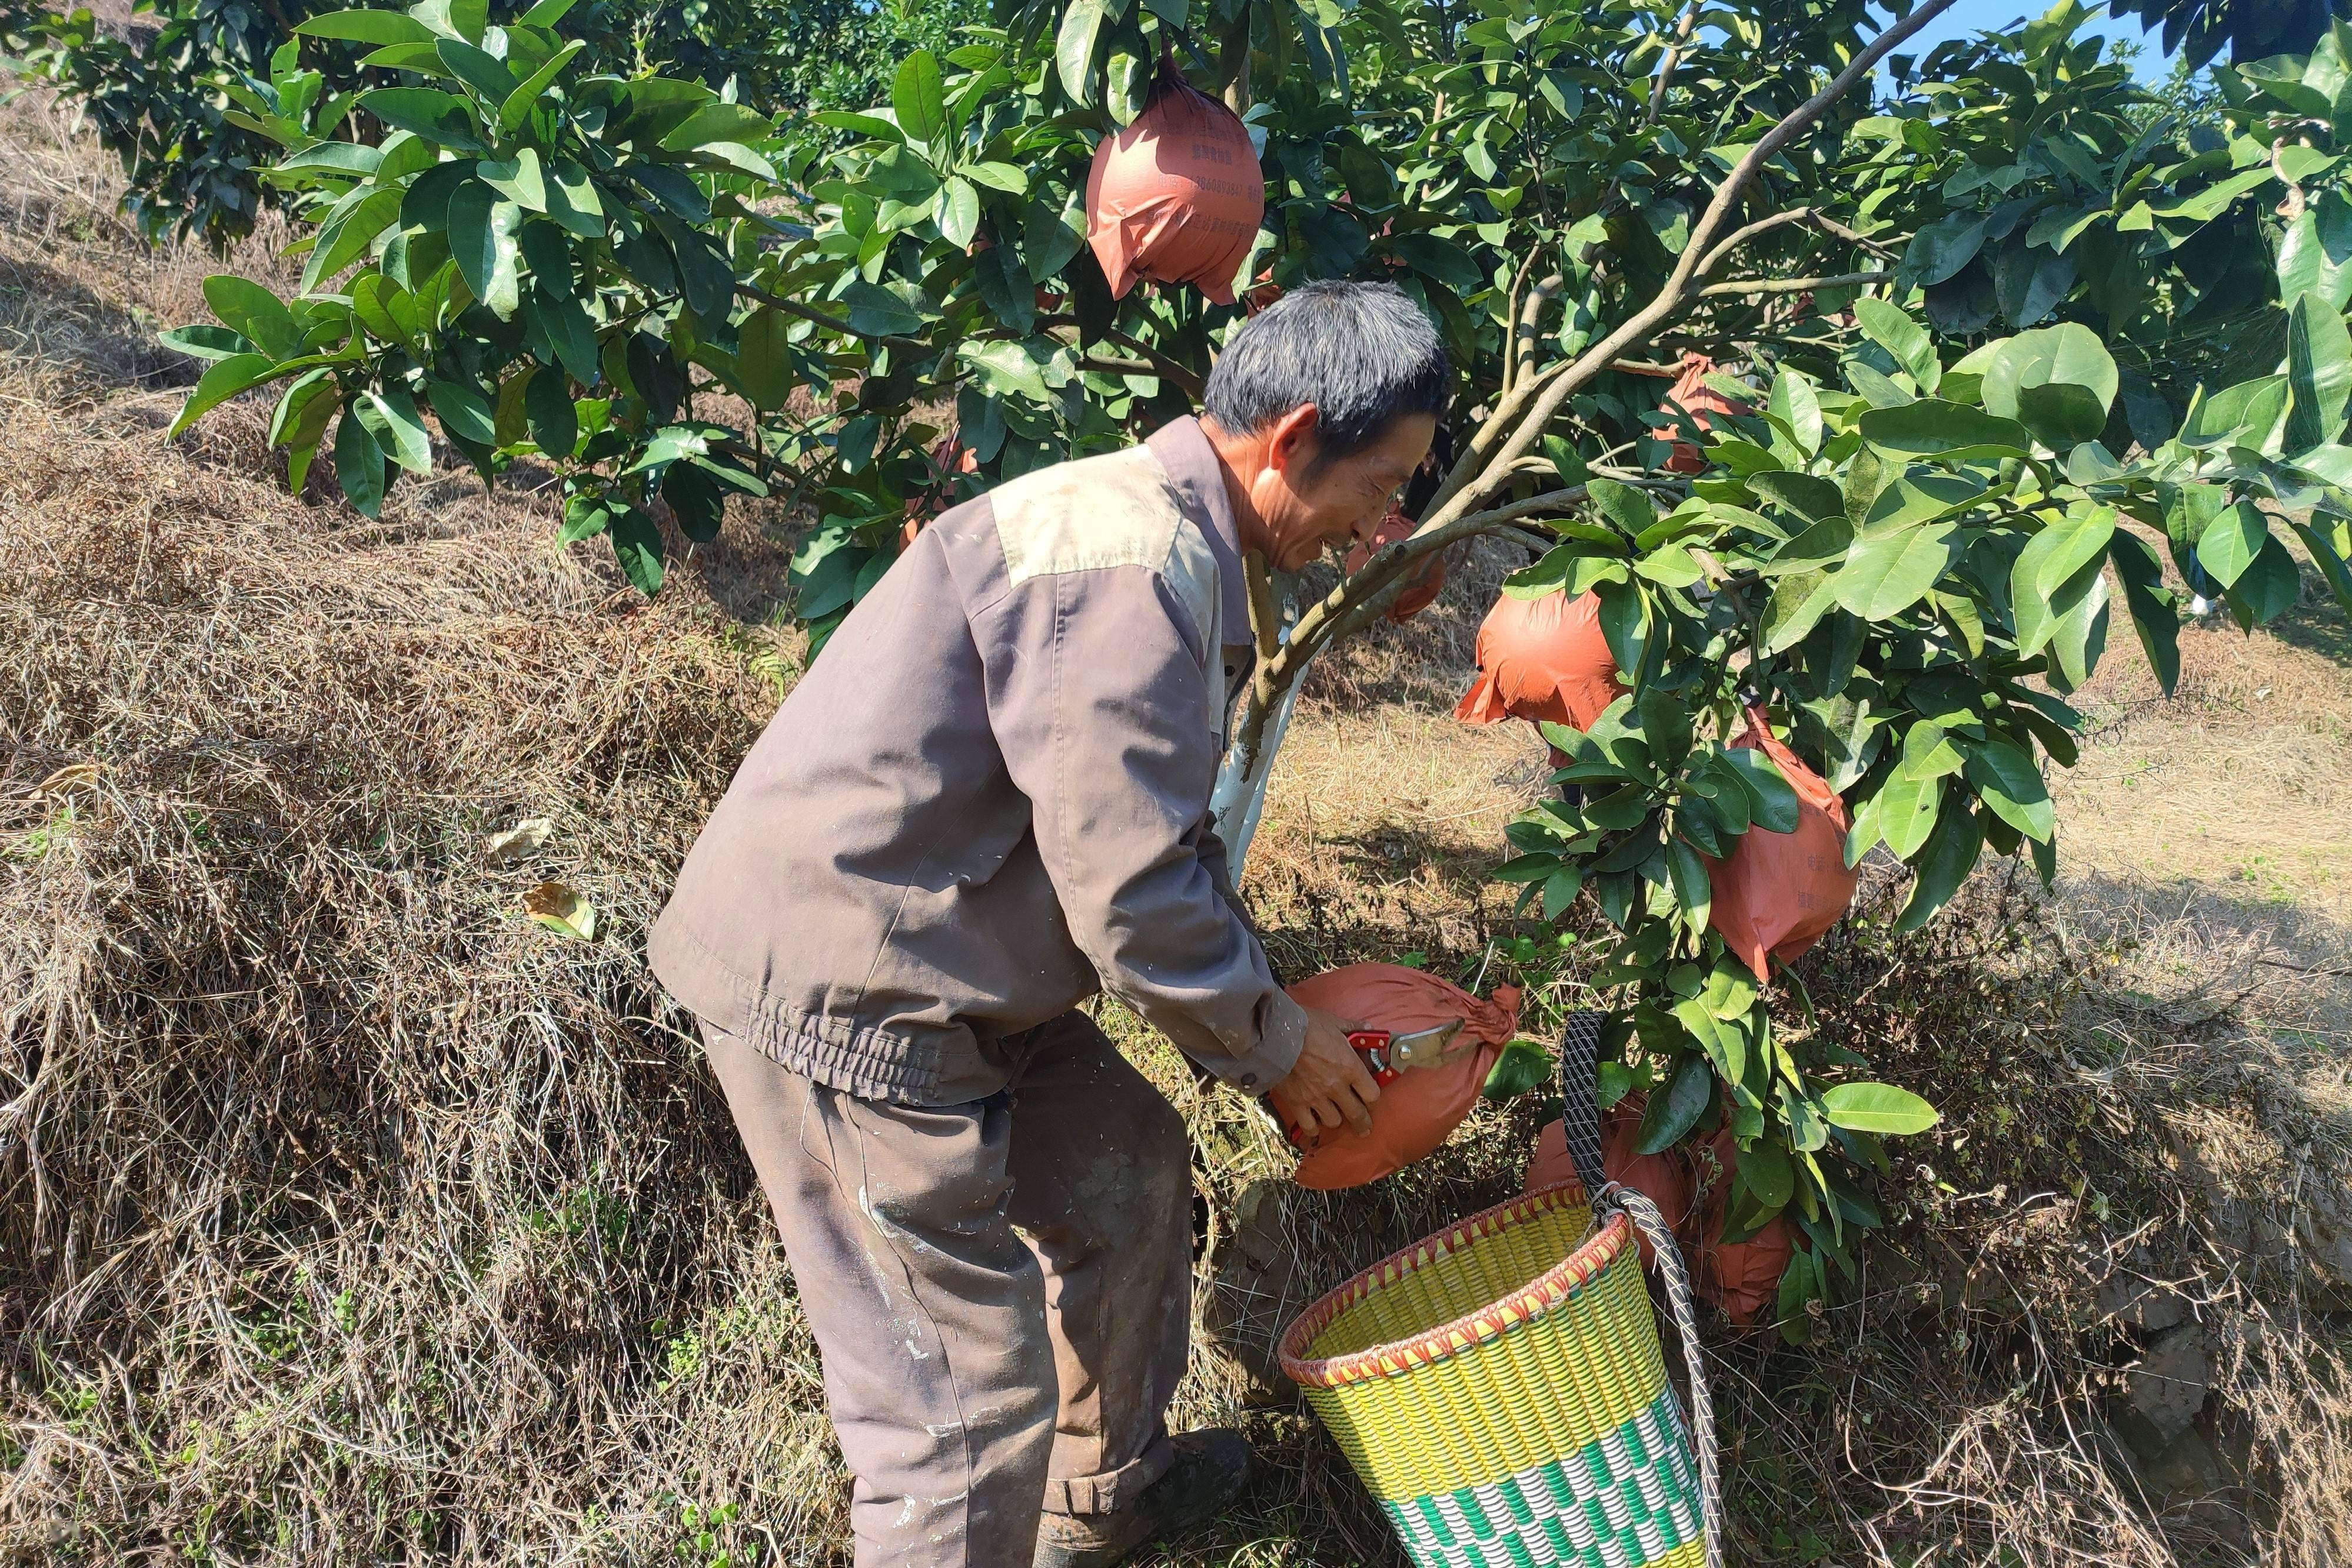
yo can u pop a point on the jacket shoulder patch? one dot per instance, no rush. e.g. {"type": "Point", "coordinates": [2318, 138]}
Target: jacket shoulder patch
{"type": "Point", "coordinates": [1118, 509]}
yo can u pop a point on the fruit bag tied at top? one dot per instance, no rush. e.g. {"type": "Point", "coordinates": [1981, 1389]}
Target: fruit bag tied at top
{"type": "Point", "coordinates": [1777, 892]}
{"type": "Point", "coordinates": [1417, 1110]}
{"type": "Point", "coordinates": [1542, 659]}
{"type": "Point", "coordinates": [1178, 195]}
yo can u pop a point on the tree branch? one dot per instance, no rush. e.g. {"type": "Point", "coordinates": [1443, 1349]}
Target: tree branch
{"type": "Point", "coordinates": [1469, 481]}
{"type": "Point", "coordinates": [1192, 381]}
{"type": "Point", "coordinates": [1789, 285]}
{"type": "Point", "coordinates": [1369, 587]}
{"type": "Point", "coordinates": [1665, 76]}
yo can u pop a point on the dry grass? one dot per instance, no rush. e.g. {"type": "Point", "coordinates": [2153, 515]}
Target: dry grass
{"type": "Point", "coordinates": [346, 1215]}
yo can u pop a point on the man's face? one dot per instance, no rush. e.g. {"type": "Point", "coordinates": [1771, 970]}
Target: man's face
{"type": "Point", "coordinates": [1310, 503]}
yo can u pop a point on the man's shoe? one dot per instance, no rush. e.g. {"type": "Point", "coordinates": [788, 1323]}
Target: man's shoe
{"type": "Point", "coordinates": [1211, 1468]}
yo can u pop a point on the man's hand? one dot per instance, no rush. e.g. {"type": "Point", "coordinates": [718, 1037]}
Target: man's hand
{"type": "Point", "coordinates": [1330, 1084]}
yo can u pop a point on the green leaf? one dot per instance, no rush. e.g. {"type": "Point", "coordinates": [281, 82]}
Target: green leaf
{"type": "Point", "coordinates": [1938, 251]}
{"type": "Point", "coordinates": [568, 332]}
{"type": "Point", "coordinates": [1795, 405]}
{"type": "Point", "coordinates": [2061, 414]}
{"type": "Point", "coordinates": [440, 118]}
{"type": "Point", "coordinates": [2330, 544]}
{"type": "Point", "coordinates": [2232, 541]}
{"type": "Point", "coordinates": [572, 201]}
{"type": "Point", "coordinates": [1942, 866]}
{"type": "Point", "coordinates": [1886, 574]}
{"type": "Point", "coordinates": [718, 122]}
{"type": "Point", "coordinates": [1769, 1177]}
{"type": "Point", "coordinates": [221, 381]}
{"type": "Point", "coordinates": [1004, 177]}
{"type": "Point", "coordinates": [478, 69]}
{"type": "Point", "coordinates": [959, 213]}
{"type": "Point", "coordinates": [2268, 588]}
{"type": "Point", "coordinates": [2060, 550]}
{"type": "Point", "coordinates": [1800, 1285]}
{"type": "Point", "coordinates": [392, 418]}
{"type": "Point", "coordinates": [482, 229]}
{"type": "Point", "coordinates": [1948, 432]}
{"type": "Point", "coordinates": [204, 342]}
{"type": "Point", "coordinates": [359, 464]}
{"type": "Point", "coordinates": [2319, 375]}
{"type": "Point", "coordinates": [549, 412]}
{"type": "Point", "coordinates": [1523, 1067]}
{"type": "Point", "coordinates": [1907, 811]}
{"type": "Point", "coordinates": [1879, 1108]}
{"type": "Point", "coordinates": [918, 97]}
{"type": "Point", "coordinates": [464, 417]}
{"type": "Point", "coordinates": [347, 237]}
{"type": "Point", "coordinates": [763, 359]}
{"type": "Point", "coordinates": [1808, 495]}
{"type": "Point", "coordinates": [1687, 868]}
{"type": "Point", "coordinates": [1799, 602]}
{"type": "Point", "coordinates": [1074, 48]}
{"type": "Point", "coordinates": [525, 97]}
{"type": "Point", "coordinates": [2006, 781]}
{"type": "Point", "coordinates": [1892, 329]}
{"type": "Point", "coordinates": [1771, 799]}
{"type": "Point", "coordinates": [2067, 355]}
{"type": "Point", "coordinates": [1676, 1110]}
{"type": "Point", "coordinates": [2154, 614]}
{"type": "Point", "coordinates": [366, 27]}
{"type": "Point", "coordinates": [254, 313]}
{"type": "Point", "coordinates": [1049, 239]}
{"type": "Point", "coordinates": [517, 179]}
{"type": "Point", "coordinates": [1928, 753]}
{"type": "Point", "coordinates": [1622, 505]}
{"type": "Point", "coordinates": [874, 311]}
{"type": "Point", "coordinates": [2315, 253]}
{"type": "Point", "coordinates": [637, 545]}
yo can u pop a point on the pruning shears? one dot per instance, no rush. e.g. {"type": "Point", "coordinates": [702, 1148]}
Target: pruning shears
{"type": "Point", "coordinates": [1389, 1055]}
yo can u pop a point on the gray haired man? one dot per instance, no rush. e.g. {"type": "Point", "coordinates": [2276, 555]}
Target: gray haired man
{"type": "Point", "coordinates": [986, 802]}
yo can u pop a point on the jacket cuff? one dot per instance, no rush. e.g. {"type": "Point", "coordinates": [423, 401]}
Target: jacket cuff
{"type": "Point", "coordinates": [1282, 1035]}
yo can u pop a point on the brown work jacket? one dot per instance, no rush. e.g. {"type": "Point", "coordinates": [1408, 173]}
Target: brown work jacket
{"type": "Point", "coordinates": [988, 798]}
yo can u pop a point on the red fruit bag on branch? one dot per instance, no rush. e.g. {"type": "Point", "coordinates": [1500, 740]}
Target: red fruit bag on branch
{"type": "Point", "coordinates": [1420, 592]}
{"type": "Point", "coordinates": [1663, 1178]}
{"type": "Point", "coordinates": [1693, 396]}
{"type": "Point", "coordinates": [1178, 195]}
{"type": "Point", "coordinates": [1419, 1108]}
{"type": "Point", "coordinates": [1743, 1277]}
{"type": "Point", "coordinates": [1542, 659]}
{"type": "Point", "coordinates": [1780, 892]}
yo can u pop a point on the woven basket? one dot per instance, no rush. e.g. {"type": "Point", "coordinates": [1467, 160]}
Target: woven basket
{"type": "Point", "coordinates": [1500, 1389]}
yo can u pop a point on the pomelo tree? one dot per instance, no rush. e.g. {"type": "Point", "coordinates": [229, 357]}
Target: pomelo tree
{"type": "Point", "coordinates": [2010, 343]}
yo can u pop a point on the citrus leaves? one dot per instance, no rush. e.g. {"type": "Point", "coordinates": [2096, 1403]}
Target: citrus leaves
{"type": "Point", "coordinates": [1887, 574]}
{"type": "Point", "coordinates": [530, 260]}
{"type": "Point", "coordinates": [1877, 1108]}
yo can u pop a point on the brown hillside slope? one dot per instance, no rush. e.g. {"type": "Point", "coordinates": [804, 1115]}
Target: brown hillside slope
{"type": "Point", "coordinates": [347, 1216]}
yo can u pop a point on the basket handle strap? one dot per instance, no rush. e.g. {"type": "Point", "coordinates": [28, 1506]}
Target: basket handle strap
{"type": "Point", "coordinates": [1579, 1116]}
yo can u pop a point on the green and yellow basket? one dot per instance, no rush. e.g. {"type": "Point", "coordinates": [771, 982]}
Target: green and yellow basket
{"type": "Point", "coordinates": [1501, 1391]}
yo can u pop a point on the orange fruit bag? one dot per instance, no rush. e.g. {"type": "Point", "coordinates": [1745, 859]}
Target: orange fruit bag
{"type": "Point", "coordinates": [1743, 1277]}
{"type": "Point", "coordinates": [1421, 1107]}
{"type": "Point", "coordinates": [1779, 892]}
{"type": "Point", "coordinates": [1178, 195]}
{"type": "Point", "coordinates": [1663, 1178]}
{"type": "Point", "coordinates": [1542, 659]}
{"type": "Point", "coordinates": [1420, 592]}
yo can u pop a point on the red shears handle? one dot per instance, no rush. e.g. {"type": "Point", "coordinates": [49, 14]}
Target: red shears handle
{"type": "Point", "coordinates": [1372, 1045]}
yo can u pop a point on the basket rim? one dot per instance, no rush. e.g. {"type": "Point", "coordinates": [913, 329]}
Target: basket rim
{"type": "Point", "coordinates": [1551, 1289]}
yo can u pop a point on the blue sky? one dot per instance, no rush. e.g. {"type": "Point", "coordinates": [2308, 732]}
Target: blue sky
{"type": "Point", "coordinates": [1971, 17]}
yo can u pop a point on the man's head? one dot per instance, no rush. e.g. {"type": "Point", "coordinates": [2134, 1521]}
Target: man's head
{"type": "Point", "coordinates": [1322, 405]}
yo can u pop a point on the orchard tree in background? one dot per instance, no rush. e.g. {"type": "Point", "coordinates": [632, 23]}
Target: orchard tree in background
{"type": "Point", "coordinates": [198, 98]}
{"type": "Point", "coordinates": [2009, 340]}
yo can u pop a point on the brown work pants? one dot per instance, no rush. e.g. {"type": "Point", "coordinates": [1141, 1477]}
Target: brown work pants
{"type": "Point", "coordinates": [1001, 1291]}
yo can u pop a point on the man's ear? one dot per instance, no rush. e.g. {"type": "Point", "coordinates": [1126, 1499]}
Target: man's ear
{"type": "Point", "coordinates": [1291, 442]}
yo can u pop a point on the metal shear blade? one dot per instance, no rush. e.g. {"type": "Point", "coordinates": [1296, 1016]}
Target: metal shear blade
{"type": "Point", "coordinates": [1425, 1047]}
